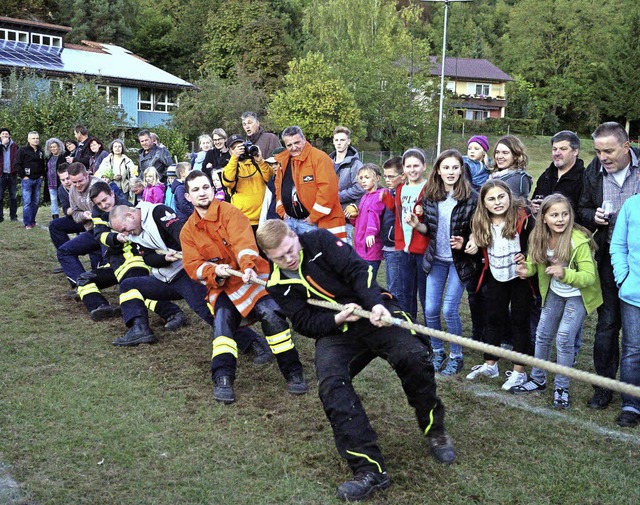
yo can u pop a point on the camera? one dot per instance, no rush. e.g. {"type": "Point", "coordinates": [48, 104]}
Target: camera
{"type": "Point", "coordinates": [250, 150]}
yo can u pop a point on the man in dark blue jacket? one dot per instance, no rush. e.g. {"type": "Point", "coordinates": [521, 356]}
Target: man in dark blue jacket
{"type": "Point", "coordinates": [318, 265]}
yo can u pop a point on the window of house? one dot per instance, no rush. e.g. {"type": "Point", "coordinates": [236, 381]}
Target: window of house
{"type": "Point", "coordinates": [46, 40]}
{"type": "Point", "coordinates": [63, 85]}
{"type": "Point", "coordinates": [157, 100]}
{"type": "Point", "coordinates": [112, 93]}
{"type": "Point", "coordinates": [14, 35]}
{"type": "Point", "coordinates": [482, 89]}
{"type": "Point", "coordinates": [480, 115]}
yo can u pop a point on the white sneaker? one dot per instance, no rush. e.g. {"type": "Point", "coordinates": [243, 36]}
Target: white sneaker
{"type": "Point", "coordinates": [490, 371]}
{"type": "Point", "coordinates": [514, 379]}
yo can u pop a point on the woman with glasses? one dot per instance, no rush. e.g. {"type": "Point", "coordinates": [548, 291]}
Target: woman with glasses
{"type": "Point", "coordinates": [219, 156]}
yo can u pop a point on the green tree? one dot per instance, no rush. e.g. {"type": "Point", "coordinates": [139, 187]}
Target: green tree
{"type": "Point", "coordinates": [561, 55]}
{"type": "Point", "coordinates": [314, 99]}
{"type": "Point", "coordinates": [217, 103]}
{"type": "Point", "coordinates": [246, 37]}
{"type": "Point", "coordinates": [621, 76]}
{"type": "Point", "coordinates": [54, 112]}
{"type": "Point", "coordinates": [370, 45]}
{"type": "Point", "coordinates": [111, 21]}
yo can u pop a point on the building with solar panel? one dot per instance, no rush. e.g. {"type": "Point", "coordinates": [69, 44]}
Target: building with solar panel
{"type": "Point", "coordinates": [146, 93]}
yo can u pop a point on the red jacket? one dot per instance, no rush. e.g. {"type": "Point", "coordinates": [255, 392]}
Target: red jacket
{"type": "Point", "coordinates": [419, 242]}
{"type": "Point", "coordinates": [223, 236]}
{"type": "Point", "coordinates": [317, 186]}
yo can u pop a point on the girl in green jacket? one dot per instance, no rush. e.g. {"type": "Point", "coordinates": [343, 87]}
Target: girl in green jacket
{"type": "Point", "coordinates": [561, 253]}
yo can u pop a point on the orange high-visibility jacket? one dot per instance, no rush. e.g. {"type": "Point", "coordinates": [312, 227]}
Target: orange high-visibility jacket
{"type": "Point", "coordinates": [317, 185]}
{"type": "Point", "coordinates": [223, 236]}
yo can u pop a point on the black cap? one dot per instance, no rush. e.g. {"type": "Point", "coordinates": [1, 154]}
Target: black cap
{"type": "Point", "coordinates": [233, 140]}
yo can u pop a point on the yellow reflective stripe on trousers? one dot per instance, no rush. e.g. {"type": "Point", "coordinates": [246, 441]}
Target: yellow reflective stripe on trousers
{"type": "Point", "coordinates": [85, 290]}
{"type": "Point", "coordinates": [151, 304]}
{"type": "Point", "coordinates": [224, 345]}
{"type": "Point", "coordinates": [280, 342]}
{"type": "Point", "coordinates": [134, 262]}
{"type": "Point", "coordinates": [426, 430]}
{"type": "Point", "coordinates": [132, 294]}
{"type": "Point", "coordinates": [367, 458]}
{"type": "Point", "coordinates": [406, 316]}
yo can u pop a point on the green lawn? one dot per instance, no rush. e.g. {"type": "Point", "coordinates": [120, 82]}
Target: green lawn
{"type": "Point", "coordinates": [83, 422]}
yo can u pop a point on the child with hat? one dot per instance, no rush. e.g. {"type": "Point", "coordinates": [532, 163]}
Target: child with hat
{"type": "Point", "coordinates": [476, 162]}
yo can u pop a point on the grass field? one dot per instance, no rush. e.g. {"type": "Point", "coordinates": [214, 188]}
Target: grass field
{"type": "Point", "coordinates": [83, 422]}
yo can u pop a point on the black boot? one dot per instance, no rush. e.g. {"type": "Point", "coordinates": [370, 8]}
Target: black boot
{"type": "Point", "coordinates": [175, 321]}
{"type": "Point", "coordinates": [223, 390]}
{"type": "Point", "coordinates": [261, 351]}
{"type": "Point", "coordinates": [363, 485]}
{"type": "Point", "coordinates": [139, 333]}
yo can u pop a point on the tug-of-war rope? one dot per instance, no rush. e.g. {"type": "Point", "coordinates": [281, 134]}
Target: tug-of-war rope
{"type": "Point", "coordinates": [572, 373]}
{"type": "Point", "coordinates": [548, 366]}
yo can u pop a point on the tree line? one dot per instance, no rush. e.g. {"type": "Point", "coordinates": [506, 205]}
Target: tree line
{"type": "Point", "coordinates": [365, 62]}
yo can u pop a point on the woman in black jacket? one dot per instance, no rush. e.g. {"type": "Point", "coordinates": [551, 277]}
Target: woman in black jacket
{"type": "Point", "coordinates": [448, 204]}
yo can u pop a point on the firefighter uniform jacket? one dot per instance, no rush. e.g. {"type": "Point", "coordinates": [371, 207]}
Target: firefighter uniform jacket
{"type": "Point", "coordinates": [317, 185]}
{"type": "Point", "coordinates": [121, 256]}
{"type": "Point", "coordinates": [329, 270]}
{"type": "Point", "coordinates": [160, 231]}
{"type": "Point", "coordinates": [223, 236]}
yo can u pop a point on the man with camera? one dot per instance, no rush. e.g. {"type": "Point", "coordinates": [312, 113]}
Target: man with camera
{"type": "Point", "coordinates": [246, 176]}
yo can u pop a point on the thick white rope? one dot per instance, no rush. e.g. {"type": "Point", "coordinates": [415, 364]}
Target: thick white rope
{"type": "Point", "coordinates": [572, 373]}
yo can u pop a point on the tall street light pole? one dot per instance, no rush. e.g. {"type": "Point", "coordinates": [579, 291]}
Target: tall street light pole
{"type": "Point", "coordinates": [444, 51]}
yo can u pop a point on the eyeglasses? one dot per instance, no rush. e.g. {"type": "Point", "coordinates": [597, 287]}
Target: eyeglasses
{"type": "Point", "coordinates": [218, 140]}
{"type": "Point", "coordinates": [391, 177]}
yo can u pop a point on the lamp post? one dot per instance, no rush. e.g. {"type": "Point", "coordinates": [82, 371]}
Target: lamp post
{"type": "Point", "coordinates": [444, 50]}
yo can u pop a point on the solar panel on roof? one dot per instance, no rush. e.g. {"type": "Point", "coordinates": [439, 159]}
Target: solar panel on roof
{"type": "Point", "coordinates": [34, 56]}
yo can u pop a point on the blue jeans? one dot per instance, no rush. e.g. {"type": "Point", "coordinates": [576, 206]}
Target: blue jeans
{"type": "Point", "coordinates": [53, 194]}
{"type": "Point", "coordinates": [69, 253]}
{"type": "Point", "coordinates": [10, 183]}
{"type": "Point", "coordinates": [393, 265]}
{"type": "Point", "coordinates": [443, 294]}
{"type": "Point", "coordinates": [30, 200]}
{"type": "Point", "coordinates": [414, 282]}
{"type": "Point", "coordinates": [561, 318]}
{"type": "Point", "coordinates": [630, 355]}
{"type": "Point", "coordinates": [299, 226]}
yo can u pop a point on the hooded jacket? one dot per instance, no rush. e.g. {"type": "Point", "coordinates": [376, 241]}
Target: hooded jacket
{"type": "Point", "coordinates": [349, 191]}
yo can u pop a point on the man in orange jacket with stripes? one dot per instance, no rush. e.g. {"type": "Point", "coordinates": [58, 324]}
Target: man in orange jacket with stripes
{"type": "Point", "coordinates": [218, 237]}
{"type": "Point", "coordinates": [307, 187]}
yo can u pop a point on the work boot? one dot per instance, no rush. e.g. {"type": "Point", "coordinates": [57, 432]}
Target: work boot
{"type": "Point", "coordinates": [261, 351]}
{"type": "Point", "coordinates": [104, 311]}
{"type": "Point", "coordinates": [139, 333]}
{"type": "Point", "coordinates": [223, 390]}
{"type": "Point", "coordinates": [175, 321]}
{"type": "Point", "coordinates": [441, 447]}
{"type": "Point", "coordinates": [296, 385]}
{"type": "Point", "coordinates": [363, 485]}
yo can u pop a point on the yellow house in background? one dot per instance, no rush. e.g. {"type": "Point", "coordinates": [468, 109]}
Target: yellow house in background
{"type": "Point", "coordinates": [477, 87]}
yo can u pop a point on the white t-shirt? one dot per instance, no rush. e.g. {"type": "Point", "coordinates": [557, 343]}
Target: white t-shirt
{"type": "Point", "coordinates": [501, 253]}
{"type": "Point", "coordinates": [560, 288]}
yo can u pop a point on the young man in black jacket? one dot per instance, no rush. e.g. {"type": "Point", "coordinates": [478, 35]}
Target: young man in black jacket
{"type": "Point", "coordinates": [319, 265]}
